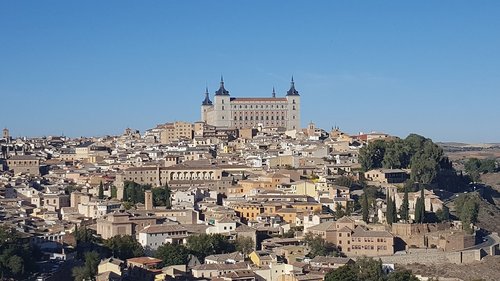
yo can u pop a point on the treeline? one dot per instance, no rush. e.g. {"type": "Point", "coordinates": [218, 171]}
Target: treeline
{"type": "Point", "coordinates": [133, 193]}
{"type": "Point", "coordinates": [368, 269]}
{"type": "Point", "coordinates": [475, 167]}
{"type": "Point", "coordinates": [17, 255]}
{"type": "Point", "coordinates": [421, 155]}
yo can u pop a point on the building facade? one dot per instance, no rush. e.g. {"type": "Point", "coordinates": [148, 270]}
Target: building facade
{"type": "Point", "coordinates": [230, 112]}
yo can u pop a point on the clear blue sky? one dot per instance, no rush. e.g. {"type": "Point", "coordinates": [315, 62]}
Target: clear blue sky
{"type": "Point", "coordinates": [97, 67]}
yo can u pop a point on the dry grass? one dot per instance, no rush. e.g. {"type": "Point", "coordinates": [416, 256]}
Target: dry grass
{"type": "Point", "coordinates": [487, 269]}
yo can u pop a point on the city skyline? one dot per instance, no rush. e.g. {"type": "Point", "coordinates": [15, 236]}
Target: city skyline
{"type": "Point", "coordinates": [96, 68]}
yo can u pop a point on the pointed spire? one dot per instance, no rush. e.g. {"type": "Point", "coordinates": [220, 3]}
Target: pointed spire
{"type": "Point", "coordinates": [222, 91]}
{"type": "Point", "coordinates": [274, 93]}
{"type": "Point", "coordinates": [292, 91]}
{"type": "Point", "coordinates": [207, 100]}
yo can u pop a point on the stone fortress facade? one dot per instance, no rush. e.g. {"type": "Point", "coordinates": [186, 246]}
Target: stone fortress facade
{"type": "Point", "coordinates": [252, 112]}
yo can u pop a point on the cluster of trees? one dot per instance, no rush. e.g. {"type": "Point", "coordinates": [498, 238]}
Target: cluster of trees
{"type": "Point", "coordinates": [425, 159]}
{"type": "Point", "coordinates": [133, 193]}
{"type": "Point", "coordinates": [17, 257]}
{"type": "Point", "coordinates": [475, 167]}
{"type": "Point", "coordinates": [320, 247]}
{"type": "Point", "coordinates": [201, 246]}
{"type": "Point", "coordinates": [368, 269]}
{"type": "Point", "coordinates": [341, 211]}
{"type": "Point", "coordinates": [88, 271]}
{"type": "Point", "coordinates": [91, 248]}
{"type": "Point", "coordinates": [467, 208]}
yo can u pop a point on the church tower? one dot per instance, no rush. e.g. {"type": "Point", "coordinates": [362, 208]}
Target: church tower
{"type": "Point", "coordinates": [293, 114]}
{"type": "Point", "coordinates": [222, 106]}
{"type": "Point", "coordinates": [206, 106]}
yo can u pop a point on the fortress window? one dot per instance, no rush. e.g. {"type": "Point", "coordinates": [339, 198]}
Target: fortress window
{"type": "Point", "coordinates": [223, 108]}
{"type": "Point", "coordinates": [222, 101]}
{"type": "Point", "coordinates": [293, 101]}
{"type": "Point", "coordinates": [293, 107]}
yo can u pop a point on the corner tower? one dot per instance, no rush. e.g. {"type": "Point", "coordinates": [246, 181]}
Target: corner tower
{"type": "Point", "coordinates": [222, 106]}
{"type": "Point", "coordinates": [293, 114]}
{"type": "Point", "coordinates": [206, 106]}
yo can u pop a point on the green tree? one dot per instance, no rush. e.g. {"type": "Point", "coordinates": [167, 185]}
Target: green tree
{"type": "Point", "coordinates": [89, 270]}
{"type": "Point", "coordinates": [172, 254]}
{"type": "Point", "coordinates": [394, 211]}
{"type": "Point", "coordinates": [405, 206]}
{"type": "Point", "coordinates": [372, 155]}
{"type": "Point", "coordinates": [161, 196]}
{"type": "Point", "coordinates": [402, 275]}
{"type": "Point", "coordinates": [467, 207]}
{"type": "Point", "coordinates": [124, 247]}
{"type": "Point", "coordinates": [113, 191]}
{"type": "Point", "coordinates": [369, 269]}
{"type": "Point", "coordinates": [319, 246]}
{"type": "Point", "coordinates": [339, 211]}
{"type": "Point", "coordinates": [349, 208]}
{"type": "Point", "coordinates": [203, 245]}
{"type": "Point", "coordinates": [101, 191]}
{"type": "Point", "coordinates": [343, 273]}
{"type": "Point", "coordinates": [364, 207]}
{"type": "Point", "coordinates": [244, 245]}
{"type": "Point", "coordinates": [443, 214]}
{"type": "Point", "coordinates": [134, 192]}
{"type": "Point", "coordinates": [344, 181]}
{"type": "Point", "coordinates": [389, 213]}
{"type": "Point", "coordinates": [396, 155]}
{"type": "Point", "coordinates": [420, 207]}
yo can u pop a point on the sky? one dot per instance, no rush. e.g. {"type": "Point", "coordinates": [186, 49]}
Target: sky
{"type": "Point", "coordinates": [91, 68]}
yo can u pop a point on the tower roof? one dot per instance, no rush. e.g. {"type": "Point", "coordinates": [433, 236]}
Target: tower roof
{"type": "Point", "coordinates": [207, 100]}
{"type": "Point", "coordinates": [292, 91]}
{"type": "Point", "coordinates": [222, 91]}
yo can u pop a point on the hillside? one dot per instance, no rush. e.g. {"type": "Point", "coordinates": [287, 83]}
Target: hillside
{"type": "Point", "coordinates": [487, 269]}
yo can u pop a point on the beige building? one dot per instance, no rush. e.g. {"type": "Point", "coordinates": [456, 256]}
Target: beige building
{"type": "Point", "coordinates": [355, 240]}
{"type": "Point", "coordinates": [387, 175]}
{"type": "Point", "coordinates": [253, 112]}
{"type": "Point", "coordinates": [175, 131]}
{"type": "Point", "coordinates": [26, 164]}
{"type": "Point", "coordinates": [124, 223]}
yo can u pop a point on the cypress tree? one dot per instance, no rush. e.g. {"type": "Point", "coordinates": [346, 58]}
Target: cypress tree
{"type": "Point", "coordinates": [389, 211]}
{"type": "Point", "coordinates": [405, 206]}
{"type": "Point", "coordinates": [394, 211]}
{"type": "Point", "coordinates": [101, 191]}
{"type": "Point", "coordinates": [364, 207]}
{"type": "Point", "coordinates": [422, 205]}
